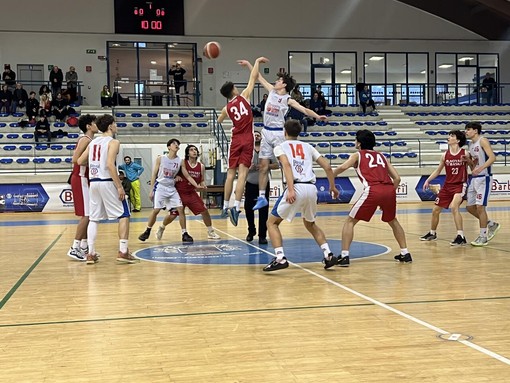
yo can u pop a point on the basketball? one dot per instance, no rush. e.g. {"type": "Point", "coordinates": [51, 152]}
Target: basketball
{"type": "Point", "coordinates": [212, 50]}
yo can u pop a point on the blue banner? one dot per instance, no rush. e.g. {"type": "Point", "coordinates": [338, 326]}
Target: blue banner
{"type": "Point", "coordinates": [428, 195]}
{"type": "Point", "coordinates": [22, 198]}
{"type": "Point", "coordinates": [344, 186]}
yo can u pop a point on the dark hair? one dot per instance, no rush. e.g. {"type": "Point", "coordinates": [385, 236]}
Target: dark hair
{"type": "Point", "coordinates": [289, 82]}
{"type": "Point", "coordinates": [366, 139]}
{"type": "Point", "coordinates": [127, 157]}
{"type": "Point", "coordinates": [104, 121]}
{"type": "Point", "coordinates": [227, 89]}
{"type": "Point", "coordinates": [474, 125]}
{"type": "Point", "coordinates": [460, 135]}
{"type": "Point", "coordinates": [32, 92]}
{"type": "Point", "coordinates": [292, 127]}
{"type": "Point", "coordinates": [172, 140]}
{"type": "Point", "coordinates": [84, 120]}
{"type": "Point", "coordinates": [186, 151]}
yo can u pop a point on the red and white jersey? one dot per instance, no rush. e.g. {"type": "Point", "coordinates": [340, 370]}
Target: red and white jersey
{"type": "Point", "coordinates": [239, 111]}
{"type": "Point", "coordinates": [276, 109]}
{"type": "Point", "coordinates": [195, 172]}
{"type": "Point", "coordinates": [301, 157]}
{"type": "Point", "coordinates": [168, 169]}
{"type": "Point", "coordinates": [81, 170]}
{"type": "Point", "coordinates": [372, 168]}
{"type": "Point", "coordinates": [98, 158]}
{"type": "Point", "coordinates": [456, 169]}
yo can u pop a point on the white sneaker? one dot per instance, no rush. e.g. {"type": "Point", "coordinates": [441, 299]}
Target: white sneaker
{"type": "Point", "coordinates": [213, 235]}
{"type": "Point", "coordinates": [77, 255]}
{"type": "Point", "coordinates": [480, 241]}
{"type": "Point", "coordinates": [493, 229]}
{"type": "Point", "coordinates": [159, 233]}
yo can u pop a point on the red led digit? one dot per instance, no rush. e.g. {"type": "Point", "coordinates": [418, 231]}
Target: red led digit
{"type": "Point", "coordinates": [144, 24]}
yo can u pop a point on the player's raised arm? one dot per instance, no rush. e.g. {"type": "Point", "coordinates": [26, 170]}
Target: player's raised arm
{"type": "Point", "coordinates": [254, 74]}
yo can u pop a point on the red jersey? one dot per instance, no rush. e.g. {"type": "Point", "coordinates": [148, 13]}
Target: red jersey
{"type": "Point", "coordinates": [239, 111]}
{"type": "Point", "coordinates": [195, 172]}
{"type": "Point", "coordinates": [81, 170]}
{"type": "Point", "coordinates": [372, 168]}
{"type": "Point", "coordinates": [456, 169]}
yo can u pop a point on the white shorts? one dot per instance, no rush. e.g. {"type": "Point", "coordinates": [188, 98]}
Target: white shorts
{"type": "Point", "coordinates": [166, 197]}
{"type": "Point", "coordinates": [105, 203]}
{"type": "Point", "coordinates": [478, 191]}
{"type": "Point", "coordinates": [305, 203]}
{"type": "Point", "coordinates": [270, 139]}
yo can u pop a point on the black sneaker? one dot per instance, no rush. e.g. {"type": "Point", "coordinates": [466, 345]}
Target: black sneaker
{"type": "Point", "coordinates": [330, 261]}
{"type": "Point", "coordinates": [262, 241]}
{"type": "Point", "coordinates": [428, 237]}
{"type": "Point", "coordinates": [144, 236]}
{"type": "Point", "coordinates": [343, 261]}
{"type": "Point", "coordinates": [404, 258]}
{"type": "Point", "coordinates": [275, 265]}
{"type": "Point", "coordinates": [187, 238]}
{"type": "Point", "coordinates": [249, 237]}
{"type": "Point", "coordinates": [458, 241]}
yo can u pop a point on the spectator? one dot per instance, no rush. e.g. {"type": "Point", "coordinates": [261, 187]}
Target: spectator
{"type": "Point", "coordinates": [59, 107]}
{"type": "Point", "coordinates": [19, 98]}
{"type": "Point", "coordinates": [178, 72]}
{"type": "Point", "coordinates": [45, 104]}
{"type": "Point", "coordinates": [72, 83]}
{"type": "Point", "coordinates": [297, 95]}
{"type": "Point", "coordinates": [106, 97]}
{"type": "Point", "coordinates": [9, 77]}
{"type": "Point", "coordinates": [45, 90]}
{"type": "Point", "coordinates": [42, 128]}
{"type": "Point", "coordinates": [490, 86]}
{"type": "Point", "coordinates": [5, 99]}
{"type": "Point", "coordinates": [133, 172]}
{"type": "Point", "coordinates": [32, 107]}
{"type": "Point", "coordinates": [316, 104]}
{"type": "Point", "coordinates": [262, 104]}
{"type": "Point", "coordinates": [56, 79]}
{"type": "Point", "coordinates": [365, 99]}
{"type": "Point", "coordinates": [126, 184]}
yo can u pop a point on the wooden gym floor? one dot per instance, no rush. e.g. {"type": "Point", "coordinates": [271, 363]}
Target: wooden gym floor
{"type": "Point", "coordinates": [443, 318]}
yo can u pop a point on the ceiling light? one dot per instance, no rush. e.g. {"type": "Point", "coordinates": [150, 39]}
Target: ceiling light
{"type": "Point", "coordinates": [376, 58]}
{"type": "Point", "coordinates": [423, 71]}
{"type": "Point", "coordinates": [179, 62]}
{"type": "Point", "coordinates": [466, 58]}
{"type": "Point", "coordinates": [445, 66]}
{"type": "Point", "coordinates": [153, 62]}
{"type": "Point", "coordinates": [346, 71]}
{"type": "Point", "coordinates": [290, 56]}
{"type": "Point", "coordinates": [326, 60]}
{"type": "Point", "coordinates": [366, 64]}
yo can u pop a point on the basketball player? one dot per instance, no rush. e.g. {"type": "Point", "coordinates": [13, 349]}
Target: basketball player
{"type": "Point", "coordinates": [297, 158]}
{"type": "Point", "coordinates": [164, 194]}
{"type": "Point", "coordinates": [80, 188]}
{"type": "Point", "coordinates": [380, 181]}
{"type": "Point", "coordinates": [275, 109]}
{"type": "Point", "coordinates": [238, 109]}
{"type": "Point", "coordinates": [453, 191]}
{"type": "Point", "coordinates": [107, 196]}
{"type": "Point", "coordinates": [480, 159]}
{"type": "Point", "coordinates": [188, 194]}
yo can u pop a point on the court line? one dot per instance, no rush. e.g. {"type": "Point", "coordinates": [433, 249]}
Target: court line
{"type": "Point", "coordinates": [20, 281]}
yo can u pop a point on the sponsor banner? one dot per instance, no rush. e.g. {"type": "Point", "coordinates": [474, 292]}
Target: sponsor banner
{"type": "Point", "coordinates": [35, 198]}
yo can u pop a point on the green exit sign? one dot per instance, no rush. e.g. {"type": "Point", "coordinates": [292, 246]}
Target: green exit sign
{"type": "Point", "coordinates": [266, 70]}
{"type": "Point", "coordinates": [91, 51]}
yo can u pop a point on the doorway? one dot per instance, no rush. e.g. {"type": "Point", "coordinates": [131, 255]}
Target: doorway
{"type": "Point", "coordinates": [31, 76]}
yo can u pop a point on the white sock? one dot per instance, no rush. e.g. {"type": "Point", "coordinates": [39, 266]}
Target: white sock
{"type": "Point", "coordinates": [237, 205]}
{"type": "Point", "coordinates": [433, 232]}
{"type": "Point", "coordinates": [461, 233]}
{"type": "Point", "coordinates": [76, 244]}
{"type": "Point", "coordinates": [278, 252]}
{"type": "Point", "coordinates": [123, 245]}
{"type": "Point", "coordinates": [92, 235]}
{"type": "Point", "coordinates": [404, 251]}
{"type": "Point", "coordinates": [210, 229]}
{"type": "Point", "coordinates": [325, 249]}
{"type": "Point", "coordinates": [345, 253]}
{"type": "Point", "coordinates": [225, 204]}
{"type": "Point", "coordinates": [84, 243]}
{"type": "Point", "coordinates": [262, 193]}
{"type": "Point", "coordinates": [483, 232]}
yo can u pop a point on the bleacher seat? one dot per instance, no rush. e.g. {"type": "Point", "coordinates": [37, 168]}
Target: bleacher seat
{"type": "Point", "coordinates": [41, 147]}
{"type": "Point", "coordinates": [202, 125]}
{"type": "Point", "coordinates": [120, 115]}
{"type": "Point", "coordinates": [56, 147]}
{"type": "Point", "coordinates": [323, 145]}
{"type": "Point", "coordinates": [349, 144]}
{"type": "Point", "coordinates": [153, 125]}
{"type": "Point", "coordinates": [73, 135]}
{"type": "Point", "coordinates": [1, 136]}
{"type": "Point", "coordinates": [25, 147]}
{"type": "Point", "coordinates": [28, 136]}
{"type": "Point", "coordinates": [71, 147]}
{"type": "Point", "coordinates": [14, 125]}
{"type": "Point", "coordinates": [9, 148]}
{"type": "Point", "coordinates": [59, 124]}
{"type": "Point", "coordinates": [341, 134]}
{"type": "Point", "coordinates": [23, 160]}
{"type": "Point", "coordinates": [316, 134]}
{"type": "Point", "coordinates": [55, 160]}
{"type": "Point", "coordinates": [152, 115]}
{"type": "Point", "coordinates": [259, 124]}
{"type": "Point", "coordinates": [328, 134]}
{"type": "Point", "coordinates": [121, 124]}
{"type": "Point", "coordinates": [13, 136]}
{"type": "Point", "coordinates": [170, 125]}
{"type": "Point", "coordinates": [331, 156]}
{"type": "Point", "coordinates": [343, 156]}
{"type": "Point", "coordinates": [39, 160]}
{"type": "Point", "coordinates": [183, 115]}
{"type": "Point", "coordinates": [136, 115]}
{"type": "Point", "coordinates": [6, 161]}
{"type": "Point", "coordinates": [336, 144]}
{"type": "Point", "coordinates": [3, 124]}
{"type": "Point", "coordinates": [137, 125]}
{"type": "Point", "coordinates": [18, 114]}
{"type": "Point", "coordinates": [199, 115]}
{"type": "Point", "coordinates": [304, 134]}
{"type": "Point", "coordinates": [69, 160]}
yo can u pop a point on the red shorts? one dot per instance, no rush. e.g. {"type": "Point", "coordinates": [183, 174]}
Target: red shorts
{"type": "Point", "coordinates": [241, 151]}
{"type": "Point", "coordinates": [383, 196]}
{"type": "Point", "coordinates": [80, 188]}
{"type": "Point", "coordinates": [193, 202]}
{"type": "Point", "coordinates": [445, 196]}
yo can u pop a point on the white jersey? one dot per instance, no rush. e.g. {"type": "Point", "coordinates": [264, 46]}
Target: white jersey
{"type": "Point", "coordinates": [168, 169]}
{"type": "Point", "coordinates": [479, 156]}
{"type": "Point", "coordinates": [275, 110]}
{"type": "Point", "coordinates": [98, 158]}
{"type": "Point", "coordinates": [301, 157]}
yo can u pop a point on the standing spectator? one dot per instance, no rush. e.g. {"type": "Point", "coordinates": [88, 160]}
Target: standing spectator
{"type": "Point", "coordinates": [32, 107]}
{"type": "Point", "coordinates": [106, 97]}
{"type": "Point", "coordinates": [5, 99]}
{"type": "Point", "coordinates": [80, 187]}
{"type": "Point", "coordinates": [19, 98]}
{"type": "Point", "coordinates": [380, 183]}
{"type": "Point", "coordinates": [178, 72]}
{"type": "Point", "coordinates": [9, 77]}
{"type": "Point", "coordinates": [59, 107]}
{"type": "Point", "coordinates": [489, 83]}
{"type": "Point", "coordinates": [107, 197]}
{"type": "Point", "coordinates": [42, 128]}
{"type": "Point", "coordinates": [480, 160]}
{"type": "Point", "coordinates": [72, 83]}
{"type": "Point", "coordinates": [365, 99]}
{"type": "Point", "coordinates": [133, 172]}
{"type": "Point", "coordinates": [262, 104]}
{"type": "Point", "coordinates": [56, 80]}
{"type": "Point", "coordinates": [251, 193]}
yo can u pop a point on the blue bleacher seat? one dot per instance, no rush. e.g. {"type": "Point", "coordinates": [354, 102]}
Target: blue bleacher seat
{"type": "Point", "coordinates": [22, 160]}
{"type": "Point", "coordinates": [336, 144]}
{"type": "Point", "coordinates": [343, 156]}
{"type": "Point", "coordinates": [153, 124]}
{"type": "Point", "coordinates": [316, 134]}
{"type": "Point", "coordinates": [183, 115]}
{"type": "Point", "coordinates": [17, 114]}
{"type": "Point", "coordinates": [120, 115]}
{"type": "Point", "coordinates": [341, 134]}
{"type": "Point", "coordinates": [382, 123]}
{"type": "Point", "coordinates": [186, 125]}
{"type": "Point", "coordinates": [55, 160]}
{"type": "Point", "coordinates": [411, 155]}
{"type": "Point", "coordinates": [370, 123]}
{"type": "Point", "coordinates": [73, 135]}
{"type": "Point", "coordinates": [331, 156]}
{"type": "Point", "coordinates": [25, 147]}
{"type": "Point", "coordinates": [199, 115]}
{"type": "Point", "coordinates": [431, 132]}
{"type": "Point", "coordinates": [345, 123]}
{"type": "Point", "coordinates": [356, 123]}
{"type": "Point", "coordinates": [41, 147]}
{"type": "Point", "coordinates": [333, 123]}
{"type": "Point", "coordinates": [259, 124]}
{"type": "Point", "coordinates": [14, 125]}
{"type": "Point", "coordinates": [69, 160]}
{"type": "Point", "coordinates": [6, 161]}
{"type": "Point", "coordinates": [27, 136]}
{"type": "Point", "coordinates": [378, 133]}
{"type": "Point", "coordinates": [59, 124]}
{"type": "Point", "coordinates": [136, 115]}
{"type": "Point", "coordinates": [503, 142]}
{"type": "Point", "coordinates": [71, 147]}
{"type": "Point", "coordinates": [9, 148]}
{"type": "Point", "coordinates": [352, 133]}
{"type": "Point", "coordinates": [3, 124]}
{"type": "Point", "coordinates": [56, 147]}
{"type": "Point", "coordinates": [391, 133]}
{"type": "Point", "coordinates": [121, 124]}
{"type": "Point", "coordinates": [202, 125]}
{"type": "Point", "coordinates": [137, 125]}
{"type": "Point", "coordinates": [323, 145]}
{"type": "Point", "coordinates": [152, 115]}
{"type": "Point", "coordinates": [303, 134]}
{"type": "Point", "coordinates": [349, 144]}
{"type": "Point", "coordinates": [388, 143]}
{"type": "Point", "coordinates": [1, 136]}
{"type": "Point", "coordinates": [13, 136]}
{"type": "Point", "coordinates": [39, 160]}
{"type": "Point", "coordinates": [170, 125]}
{"type": "Point", "coordinates": [328, 134]}
{"type": "Point", "coordinates": [401, 143]}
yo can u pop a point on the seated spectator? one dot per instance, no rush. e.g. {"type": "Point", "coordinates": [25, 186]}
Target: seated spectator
{"type": "Point", "coordinates": [59, 107]}
{"type": "Point", "coordinates": [45, 90]}
{"type": "Point", "coordinates": [262, 104]}
{"type": "Point", "coordinates": [126, 184]}
{"type": "Point", "coordinates": [42, 128]}
{"type": "Point", "coordinates": [45, 104]}
{"type": "Point", "coordinates": [117, 99]}
{"type": "Point", "coordinates": [19, 98]}
{"type": "Point", "coordinates": [316, 104]}
{"type": "Point", "coordinates": [365, 99]}
{"type": "Point", "coordinates": [5, 99]}
{"type": "Point", "coordinates": [301, 117]}
{"type": "Point", "coordinates": [106, 97]}
{"type": "Point", "coordinates": [297, 95]}
{"type": "Point", "coordinates": [32, 107]}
